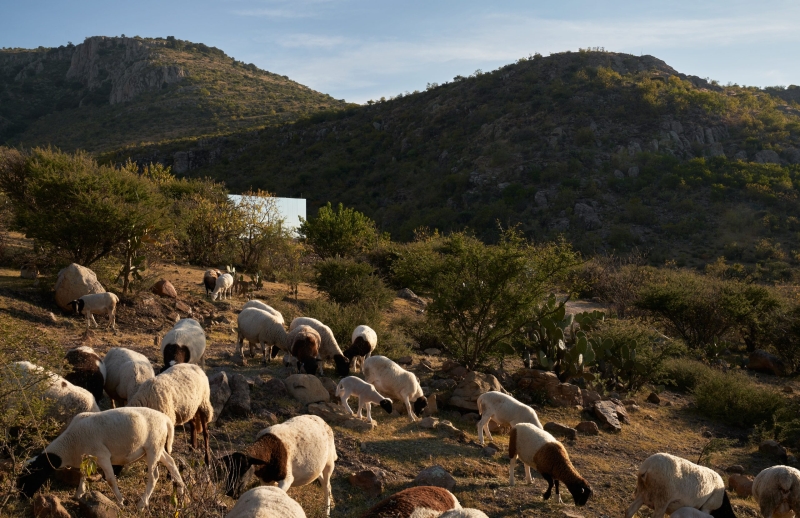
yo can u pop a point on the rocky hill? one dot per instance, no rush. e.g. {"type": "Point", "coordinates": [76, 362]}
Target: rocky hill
{"type": "Point", "coordinates": [110, 92]}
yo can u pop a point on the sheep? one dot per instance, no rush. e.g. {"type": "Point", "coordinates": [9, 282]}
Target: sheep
{"type": "Point", "coordinates": [689, 512]}
{"type": "Point", "coordinates": [210, 280]}
{"type": "Point", "coordinates": [266, 502]}
{"type": "Point", "coordinates": [88, 370]}
{"type": "Point", "coordinates": [503, 410]}
{"type": "Point", "coordinates": [539, 449]}
{"type": "Point", "coordinates": [223, 287]}
{"type": "Point", "coordinates": [261, 327]}
{"type": "Point", "coordinates": [260, 305]}
{"type": "Point", "coordinates": [293, 453]}
{"type": "Point", "coordinates": [304, 344]}
{"type": "Point", "coordinates": [126, 371]}
{"type": "Point", "coordinates": [396, 382]}
{"type": "Point", "coordinates": [182, 393]}
{"type": "Point", "coordinates": [367, 395]}
{"type": "Point", "coordinates": [329, 348]}
{"type": "Point", "coordinates": [114, 437]}
{"type": "Point", "coordinates": [97, 304]}
{"type": "Point", "coordinates": [364, 340]}
{"type": "Point", "coordinates": [777, 491]}
{"type": "Point", "coordinates": [666, 483]}
{"type": "Point", "coordinates": [184, 343]}
{"type": "Point", "coordinates": [464, 513]}
{"type": "Point", "coordinates": [419, 501]}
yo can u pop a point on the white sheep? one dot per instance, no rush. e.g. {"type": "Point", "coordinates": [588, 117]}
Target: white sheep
{"type": "Point", "coordinates": [210, 280]}
{"type": "Point", "coordinates": [97, 304]}
{"type": "Point", "coordinates": [260, 327]}
{"type": "Point", "coordinates": [363, 343]}
{"type": "Point", "coordinates": [503, 410]}
{"type": "Point", "coordinates": [537, 448]}
{"type": "Point", "coordinates": [777, 491]}
{"type": "Point", "coordinates": [88, 370]}
{"type": "Point", "coordinates": [266, 502]}
{"type": "Point", "coordinates": [367, 395]}
{"type": "Point", "coordinates": [464, 513]}
{"type": "Point", "coordinates": [395, 382]}
{"type": "Point", "coordinates": [182, 393]}
{"type": "Point", "coordinates": [666, 483]}
{"type": "Point", "coordinates": [260, 305]}
{"type": "Point", "coordinates": [126, 371]}
{"type": "Point", "coordinates": [415, 502]}
{"type": "Point", "coordinates": [223, 287]}
{"type": "Point", "coordinates": [184, 343]}
{"type": "Point", "coordinates": [115, 438]}
{"type": "Point", "coordinates": [329, 348]}
{"type": "Point", "coordinates": [294, 453]}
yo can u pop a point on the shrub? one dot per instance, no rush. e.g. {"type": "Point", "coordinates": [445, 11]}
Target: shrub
{"type": "Point", "coordinates": [735, 399]}
{"type": "Point", "coordinates": [683, 374]}
{"type": "Point", "coordinates": [348, 282]}
{"type": "Point", "coordinates": [342, 232]}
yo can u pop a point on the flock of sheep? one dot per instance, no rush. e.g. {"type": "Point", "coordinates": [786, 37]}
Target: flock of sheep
{"type": "Point", "coordinates": [301, 449]}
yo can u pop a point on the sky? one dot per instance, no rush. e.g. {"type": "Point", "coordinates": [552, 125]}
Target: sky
{"type": "Point", "coordinates": [359, 50]}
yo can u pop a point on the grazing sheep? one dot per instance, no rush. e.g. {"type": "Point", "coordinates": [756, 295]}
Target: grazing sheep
{"type": "Point", "coordinates": [464, 513]}
{"type": "Point", "coordinates": [367, 395]}
{"type": "Point", "coordinates": [223, 287]}
{"type": "Point", "coordinates": [363, 343]}
{"type": "Point", "coordinates": [503, 410]}
{"type": "Point", "coordinates": [539, 449]}
{"type": "Point", "coordinates": [304, 344]}
{"type": "Point", "coordinates": [269, 309]}
{"type": "Point", "coordinates": [88, 370]}
{"type": "Point", "coordinates": [329, 348]}
{"type": "Point", "coordinates": [262, 328]}
{"type": "Point", "coordinates": [294, 453]}
{"type": "Point", "coordinates": [182, 393]}
{"type": "Point", "coordinates": [665, 483]}
{"type": "Point", "coordinates": [97, 304]}
{"type": "Point", "coordinates": [126, 371]}
{"type": "Point", "coordinates": [396, 382]}
{"type": "Point", "coordinates": [115, 438]}
{"type": "Point", "coordinates": [210, 280]}
{"type": "Point", "coordinates": [414, 502]}
{"type": "Point", "coordinates": [266, 502]}
{"type": "Point", "coordinates": [184, 343]}
{"type": "Point", "coordinates": [777, 491]}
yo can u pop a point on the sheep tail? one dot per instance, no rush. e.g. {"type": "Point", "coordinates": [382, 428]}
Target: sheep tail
{"type": "Point", "coordinates": [512, 444]}
{"type": "Point", "coordinates": [170, 438]}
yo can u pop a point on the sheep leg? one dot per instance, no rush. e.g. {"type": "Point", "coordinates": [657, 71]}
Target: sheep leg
{"type": "Point", "coordinates": [483, 424]}
{"type": "Point", "coordinates": [91, 317]}
{"type": "Point", "coordinates": [286, 483]}
{"type": "Point", "coordinates": [635, 505]}
{"type": "Point", "coordinates": [108, 470]}
{"type": "Point", "coordinates": [167, 461]}
{"type": "Point", "coordinates": [264, 352]}
{"type": "Point", "coordinates": [558, 494]}
{"type": "Point", "coordinates": [81, 486]}
{"type": "Point", "coordinates": [369, 412]}
{"type": "Point", "coordinates": [195, 421]}
{"type": "Point", "coordinates": [511, 465]}
{"type": "Point", "coordinates": [344, 398]}
{"type": "Point", "coordinates": [410, 410]}
{"type": "Point", "coordinates": [549, 491]}
{"type": "Point", "coordinates": [325, 480]}
{"type": "Point", "coordinates": [528, 478]}
{"type": "Point", "coordinates": [112, 319]}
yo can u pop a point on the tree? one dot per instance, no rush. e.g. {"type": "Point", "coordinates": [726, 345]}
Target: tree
{"type": "Point", "coordinates": [342, 232]}
{"type": "Point", "coordinates": [261, 228]}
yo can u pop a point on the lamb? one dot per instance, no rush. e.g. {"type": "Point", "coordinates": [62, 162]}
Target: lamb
{"type": "Point", "coordinates": [293, 453]}
{"type": "Point", "coordinates": [665, 483]}
{"type": "Point", "coordinates": [266, 502]}
{"type": "Point", "coordinates": [304, 344]}
{"type": "Point", "coordinates": [539, 449]}
{"type": "Point", "coordinates": [126, 371]}
{"type": "Point", "coordinates": [505, 411]}
{"type": "Point", "coordinates": [88, 370]}
{"type": "Point", "coordinates": [261, 327]}
{"type": "Point", "coordinates": [260, 305]}
{"type": "Point", "coordinates": [97, 304]}
{"type": "Point", "coordinates": [364, 340]}
{"type": "Point", "coordinates": [210, 280]}
{"type": "Point", "coordinates": [777, 491]}
{"type": "Point", "coordinates": [464, 513]}
{"type": "Point", "coordinates": [115, 438]}
{"type": "Point", "coordinates": [419, 501]}
{"type": "Point", "coordinates": [329, 348]}
{"type": "Point", "coordinates": [182, 393]}
{"type": "Point", "coordinates": [396, 382]}
{"type": "Point", "coordinates": [367, 395]}
{"type": "Point", "coordinates": [184, 343]}
{"type": "Point", "coordinates": [223, 287]}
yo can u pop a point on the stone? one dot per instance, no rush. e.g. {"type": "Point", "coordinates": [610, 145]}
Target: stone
{"type": "Point", "coordinates": [48, 506]}
{"type": "Point", "coordinates": [588, 428]}
{"type": "Point", "coordinates": [336, 414]}
{"type": "Point", "coordinates": [183, 307]}
{"type": "Point", "coordinates": [559, 394]}
{"type": "Point", "coordinates": [489, 451]}
{"type": "Point", "coordinates": [632, 408]}
{"type": "Point", "coordinates": [465, 395]}
{"type": "Point", "coordinates": [540, 198]}
{"type": "Point", "coordinates": [606, 412]}
{"type": "Point", "coordinates": [94, 504]}
{"type": "Point", "coordinates": [471, 416]}
{"type": "Point", "coordinates": [405, 360]}
{"type": "Point", "coordinates": [740, 155]}
{"type": "Point", "coordinates": [742, 485]}
{"type": "Point", "coordinates": [562, 430]}
{"type": "Point", "coordinates": [628, 401]}
{"type": "Point", "coordinates": [762, 361]}
{"type": "Point", "coordinates": [164, 288]}
{"type": "Point", "coordinates": [653, 398]}
{"type": "Point", "coordinates": [74, 282]}
{"type": "Point", "coordinates": [619, 174]}
{"type": "Point", "coordinates": [330, 386]}
{"type": "Point", "coordinates": [707, 434]}
{"type": "Point", "coordinates": [568, 513]}
{"type": "Point", "coordinates": [767, 156]}
{"type": "Point", "coordinates": [306, 388]}
{"type": "Point", "coordinates": [239, 402]}
{"type": "Point", "coordinates": [428, 422]}
{"type": "Point", "coordinates": [52, 317]}
{"type": "Point", "coordinates": [586, 214]}
{"type": "Point", "coordinates": [29, 271]}
{"type": "Point", "coordinates": [559, 224]}
{"type": "Point", "coordinates": [220, 392]}
{"type": "Point", "coordinates": [409, 295]}
{"type": "Point", "coordinates": [589, 397]}
{"type": "Point", "coordinates": [772, 449]}
{"type": "Point", "coordinates": [736, 468]}
{"type": "Point", "coordinates": [459, 372]}
{"type": "Point", "coordinates": [633, 172]}
{"type": "Point", "coordinates": [433, 351]}
{"type": "Point", "coordinates": [432, 407]}
{"type": "Point", "coordinates": [369, 481]}
{"type": "Point", "coordinates": [435, 476]}
{"type": "Point", "coordinates": [275, 388]}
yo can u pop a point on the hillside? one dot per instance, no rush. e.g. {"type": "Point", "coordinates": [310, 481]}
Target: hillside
{"type": "Point", "coordinates": [613, 150]}
{"type": "Point", "coordinates": [110, 92]}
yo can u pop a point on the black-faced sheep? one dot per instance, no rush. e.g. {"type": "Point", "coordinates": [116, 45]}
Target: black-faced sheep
{"type": "Point", "coordinates": [266, 502]}
{"type": "Point", "coordinates": [420, 501]}
{"type": "Point", "coordinates": [260, 327]}
{"type": "Point", "coordinates": [367, 395]}
{"type": "Point", "coordinates": [777, 491]}
{"type": "Point", "coordinates": [304, 344]}
{"type": "Point", "coordinates": [395, 382]}
{"type": "Point", "coordinates": [363, 343]}
{"type": "Point", "coordinates": [184, 343]}
{"type": "Point", "coordinates": [537, 448]}
{"type": "Point", "coordinates": [97, 304]}
{"type": "Point", "coordinates": [329, 348]}
{"type": "Point", "coordinates": [115, 438]}
{"type": "Point", "coordinates": [126, 371]}
{"type": "Point", "coordinates": [503, 410]}
{"type": "Point", "coordinates": [210, 280]}
{"type": "Point", "coordinates": [223, 287]}
{"type": "Point", "coordinates": [88, 370]}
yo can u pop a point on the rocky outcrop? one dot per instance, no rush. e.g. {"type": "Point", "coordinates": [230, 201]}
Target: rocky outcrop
{"type": "Point", "coordinates": [74, 282]}
{"type": "Point", "coordinates": [435, 476]}
{"type": "Point", "coordinates": [558, 394]}
{"type": "Point", "coordinates": [587, 216]}
{"type": "Point", "coordinates": [306, 389]}
{"type": "Point", "coordinates": [466, 394]}
{"type": "Point", "coordinates": [164, 288]}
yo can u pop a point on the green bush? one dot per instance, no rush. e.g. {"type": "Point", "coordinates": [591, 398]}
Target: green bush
{"type": "Point", "coordinates": [350, 282]}
{"type": "Point", "coordinates": [683, 374]}
{"type": "Point", "coordinates": [342, 232]}
{"type": "Point", "coordinates": [735, 399]}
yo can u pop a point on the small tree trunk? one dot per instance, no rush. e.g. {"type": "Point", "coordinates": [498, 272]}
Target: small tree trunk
{"type": "Point", "coordinates": [128, 263]}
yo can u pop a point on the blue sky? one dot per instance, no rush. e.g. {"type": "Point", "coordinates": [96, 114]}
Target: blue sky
{"type": "Point", "coordinates": [360, 49]}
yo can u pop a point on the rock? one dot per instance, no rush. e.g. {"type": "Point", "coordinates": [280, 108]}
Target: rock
{"type": "Point", "coordinates": [489, 451]}
{"type": "Point", "coordinates": [239, 402]}
{"type": "Point", "coordinates": [428, 422]}
{"type": "Point", "coordinates": [653, 398]}
{"type": "Point", "coordinates": [48, 506]}
{"type": "Point", "coordinates": [472, 416]}
{"type": "Point", "coordinates": [220, 392]}
{"type": "Point", "coordinates": [628, 401]}
{"type": "Point", "coordinates": [540, 198]}
{"type": "Point", "coordinates": [306, 388]}
{"type": "Point", "coordinates": [562, 430]}
{"type": "Point", "coordinates": [94, 504]}
{"type": "Point", "coordinates": [435, 476]}
{"type": "Point", "coordinates": [52, 317]}
{"type": "Point", "coordinates": [268, 416]}
{"type": "Point", "coordinates": [74, 282]}
{"type": "Point", "coordinates": [619, 174]}
{"type": "Point", "coordinates": [443, 384]}
{"type": "Point", "coordinates": [559, 224]}
{"type": "Point", "coordinates": [336, 414]}
{"type": "Point", "coordinates": [786, 388]}
{"type": "Point", "coordinates": [358, 425]}
{"type": "Point", "coordinates": [741, 484]}
{"type": "Point", "coordinates": [164, 288]}
{"type": "Point", "coordinates": [432, 408]}
{"type": "Point", "coordinates": [740, 155]}
{"type": "Point", "coordinates": [409, 295]}
{"type": "Point", "coordinates": [369, 481]}
{"type": "Point", "coordinates": [606, 412]}
{"type": "Point", "coordinates": [466, 394]}
{"type": "Point", "coordinates": [568, 513]}
{"type": "Point", "coordinates": [330, 386]}
{"type": "Point", "coordinates": [633, 172]}
{"type": "Point", "coordinates": [668, 403]}
{"type": "Point", "coordinates": [433, 351]}
{"type": "Point", "coordinates": [275, 388]}
{"type": "Point", "coordinates": [589, 397]}
{"type": "Point", "coordinates": [405, 360]}
{"type": "Point", "coordinates": [588, 428]}
{"type": "Point", "coordinates": [586, 214]}
{"type": "Point", "coordinates": [29, 271]}
{"type": "Point", "coordinates": [454, 432]}
{"type": "Point", "coordinates": [736, 468]}
{"type": "Point", "coordinates": [632, 408]}
{"type": "Point", "coordinates": [559, 394]}
{"type": "Point", "coordinates": [762, 361]}
{"type": "Point", "coordinates": [425, 364]}
{"type": "Point", "coordinates": [772, 449]}
{"type": "Point", "coordinates": [183, 307]}
{"type": "Point", "coordinates": [767, 156]}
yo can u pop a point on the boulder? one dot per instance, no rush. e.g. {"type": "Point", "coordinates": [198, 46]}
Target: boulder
{"type": "Point", "coordinates": [435, 476]}
{"type": "Point", "coordinates": [762, 361]}
{"type": "Point", "coordinates": [606, 413]}
{"type": "Point", "coordinates": [589, 397]}
{"type": "Point", "coordinates": [586, 214]}
{"type": "Point", "coordinates": [183, 307]}
{"type": "Point", "coordinates": [466, 394]}
{"type": "Point", "coordinates": [94, 504]}
{"type": "Point", "coordinates": [432, 407]}
{"type": "Point", "coordinates": [369, 481]}
{"type": "Point", "coordinates": [488, 451]}
{"type": "Point", "coordinates": [164, 288]}
{"type": "Point", "coordinates": [562, 430]}
{"type": "Point", "coordinates": [275, 388]}
{"type": "Point", "coordinates": [330, 386]}
{"type": "Point", "coordinates": [741, 484]}
{"type": "Point", "coordinates": [405, 360]}
{"type": "Point", "coordinates": [772, 449]}
{"type": "Point", "coordinates": [220, 392]}
{"type": "Point", "coordinates": [588, 428]}
{"type": "Point", "coordinates": [653, 398]}
{"type": "Point", "coordinates": [559, 394]}
{"type": "Point", "coordinates": [48, 506]}
{"type": "Point", "coordinates": [409, 295]}
{"type": "Point", "coordinates": [306, 388]}
{"type": "Point", "coordinates": [336, 414]}
{"type": "Point", "coordinates": [428, 423]}
{"type": "Point", "coordinates": [239, 402]}
{"type": "Point", "coordinates": [74, 282]}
